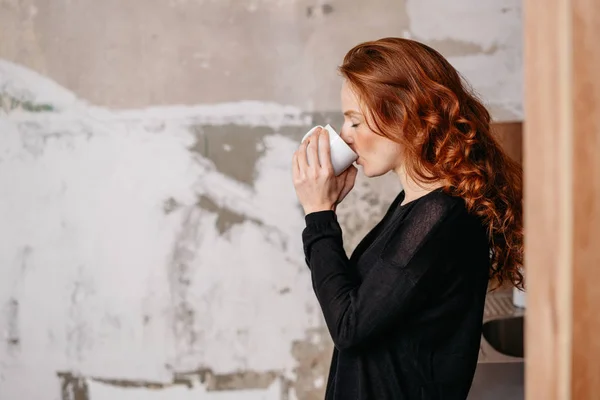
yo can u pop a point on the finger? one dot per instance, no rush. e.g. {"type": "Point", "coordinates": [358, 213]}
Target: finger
{"type": "Point", "coordinates": [349, 180]}
{"type": "Point", "coordinates": [352, 173]}
{"type": "Point", "coordinates": [325, 151]}
{"type": "Point", "coordinates": [301, 156]}
{"type": "Point", "coordinates": [295, 166]}
{"type": "Point", "coordinates": [311, 153]}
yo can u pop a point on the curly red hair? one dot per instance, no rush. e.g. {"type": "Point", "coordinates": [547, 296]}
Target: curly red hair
{"type": "Point", "coordinates": [416, 98]}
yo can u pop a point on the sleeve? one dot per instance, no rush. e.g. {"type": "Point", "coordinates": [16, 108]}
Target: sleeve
{"type": "Point", "coordinates": [356, 310]}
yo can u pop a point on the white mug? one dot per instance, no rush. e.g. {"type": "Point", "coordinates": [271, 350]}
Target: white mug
{"type": "Point", "coordinates": [342, 155]}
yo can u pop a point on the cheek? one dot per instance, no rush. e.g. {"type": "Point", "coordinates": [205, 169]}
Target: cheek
{"type": "Point", "coordinates": [364, 142]}
{"type": "Point", "coordinates": [393, 155]}
{"type": "Point", "coordinates": [386, 154]}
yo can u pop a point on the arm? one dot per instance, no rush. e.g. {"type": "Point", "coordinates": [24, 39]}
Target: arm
{"type": "Point", "coordinates": [354, 311]}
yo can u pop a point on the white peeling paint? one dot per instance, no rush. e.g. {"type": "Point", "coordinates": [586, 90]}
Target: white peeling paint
{"type": "Point", "coordinates": [495, 71]}
{"type": "Point", "coordinates": [319, 382]}
{"type": "Point", "coordinates": [25, 84]}
{"type": "Point", "coordinates": [486, 23]}
{"type": "Point", "coordinates": [88, 252]}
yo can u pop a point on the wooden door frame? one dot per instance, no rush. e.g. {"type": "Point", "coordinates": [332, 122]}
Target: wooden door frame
{"type": "Point", "coordinates": [562, 198]}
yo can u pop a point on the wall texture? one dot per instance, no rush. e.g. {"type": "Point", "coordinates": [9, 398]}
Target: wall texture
{"type": "Point", "coordinates": [150, 239]}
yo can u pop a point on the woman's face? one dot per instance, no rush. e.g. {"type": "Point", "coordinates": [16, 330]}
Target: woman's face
{"type": "Point", "coordinates": [376, 154]}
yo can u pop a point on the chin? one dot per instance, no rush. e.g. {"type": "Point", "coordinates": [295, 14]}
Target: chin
{"type": "Point", "coordinates": [370, 172]}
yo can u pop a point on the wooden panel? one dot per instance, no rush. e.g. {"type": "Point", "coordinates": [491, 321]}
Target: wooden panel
{"type": "Point", "coordinates": [548, 203]}
{"type": "Point", "coordinates": [586, 200]}
{"type": "Point", "coordinates": [510, 135]}
{"type": "Point", "coordinates": [562, 198]}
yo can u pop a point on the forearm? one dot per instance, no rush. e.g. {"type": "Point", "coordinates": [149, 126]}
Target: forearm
{"type": "Point", "coordinates": [357, 308]}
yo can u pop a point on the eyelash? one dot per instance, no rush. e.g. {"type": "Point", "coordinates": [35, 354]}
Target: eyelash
{"type": "Point", "coordinates": [355, 125]}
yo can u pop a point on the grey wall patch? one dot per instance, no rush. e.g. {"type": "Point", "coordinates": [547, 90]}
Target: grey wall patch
{"type": "Point", "coordinates": [232, 381]}
{"type": "Point", "coordinates": [314, 356]}
{"type": "Point", "coordinates": [233, 149]}
{"type": "Point", "coordinates": [170, 205]}
{"type": "Point", "coordinates": [10, 103]}
{"type": "Point", "coordinates": [226, 218]}
{"type": "Point", "coordinates": [456, 48]}
{"type": "Point", "coordinates": [72, 387]}
{"type": "Point", "coordinates": [75, 387]}
{"type": "Point", "coordinates": [13, 340]}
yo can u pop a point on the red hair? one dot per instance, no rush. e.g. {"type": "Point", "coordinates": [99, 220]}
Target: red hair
{"type": "Point", "coordinates": [416, 98]}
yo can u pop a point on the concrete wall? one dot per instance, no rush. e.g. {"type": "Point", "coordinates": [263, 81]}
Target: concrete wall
{"type": "Point", "coordinates": [150, 239]}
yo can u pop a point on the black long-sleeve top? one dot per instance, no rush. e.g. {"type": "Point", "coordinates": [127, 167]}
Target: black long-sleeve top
{"type": "Point", "coordinates": [405, 310]}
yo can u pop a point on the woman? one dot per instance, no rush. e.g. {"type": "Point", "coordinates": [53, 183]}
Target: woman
{"type": "Point", "coordinates": [405, 310]}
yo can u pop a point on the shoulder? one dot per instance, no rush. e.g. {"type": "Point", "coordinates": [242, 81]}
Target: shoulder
{"type": "Point", "coordinates": [429, 219]}
{"type": "Point", "coordinates": [433, 209]}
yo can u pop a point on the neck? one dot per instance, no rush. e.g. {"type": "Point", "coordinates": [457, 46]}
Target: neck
{"type": "Point", "coordinates": [413, 189]}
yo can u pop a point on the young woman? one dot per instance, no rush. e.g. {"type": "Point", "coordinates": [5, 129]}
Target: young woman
{"type": "Point", "coordinates": [405, 310]}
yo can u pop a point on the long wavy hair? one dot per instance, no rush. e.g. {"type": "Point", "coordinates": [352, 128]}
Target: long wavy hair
{"type": "Point", "coordinates": [416, 98]}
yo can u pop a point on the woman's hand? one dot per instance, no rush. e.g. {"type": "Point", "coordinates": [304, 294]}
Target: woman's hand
{"type": "Point", "coordinates": [316, 185]}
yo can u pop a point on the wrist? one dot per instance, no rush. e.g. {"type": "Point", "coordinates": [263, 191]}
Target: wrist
{"type": "Point", "coordinates": [317, 208]}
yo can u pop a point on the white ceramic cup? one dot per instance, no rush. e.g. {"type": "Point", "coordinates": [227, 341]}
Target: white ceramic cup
{"type": "Point", "coordinates": [342, 155]}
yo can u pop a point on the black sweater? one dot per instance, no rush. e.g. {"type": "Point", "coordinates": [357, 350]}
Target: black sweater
{"type": "Point", "coordinates": [405, 311]}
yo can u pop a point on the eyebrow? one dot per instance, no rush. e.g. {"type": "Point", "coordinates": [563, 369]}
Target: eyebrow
{"type": "Point", "coordinates": [352, 112]}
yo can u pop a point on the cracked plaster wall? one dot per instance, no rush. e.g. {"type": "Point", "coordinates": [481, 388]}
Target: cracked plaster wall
{"type": "Point", "coordinates": [150, 241]}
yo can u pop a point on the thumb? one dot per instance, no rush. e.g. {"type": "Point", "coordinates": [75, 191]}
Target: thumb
{"type": "Point", "coordinates": [349, 177]}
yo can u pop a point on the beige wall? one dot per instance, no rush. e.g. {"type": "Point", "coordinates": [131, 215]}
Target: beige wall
{"type": "Point", "coordinates": [159, 52]}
